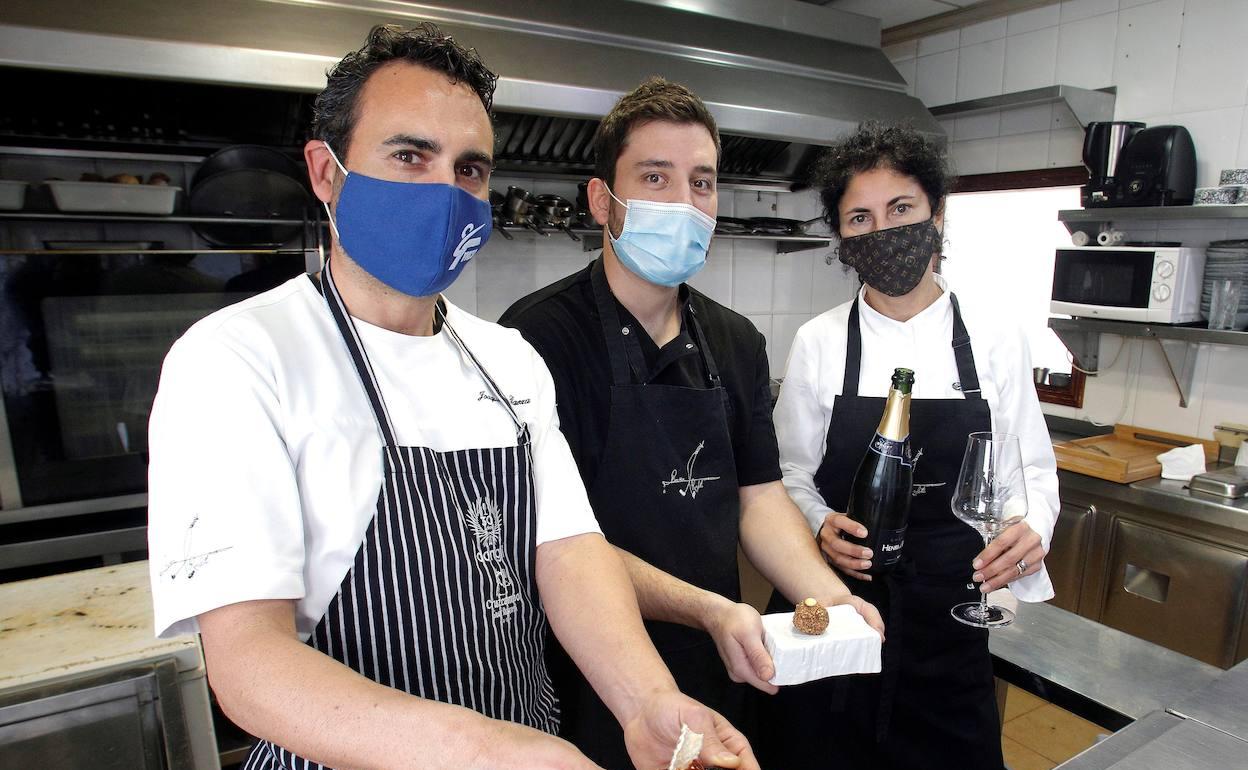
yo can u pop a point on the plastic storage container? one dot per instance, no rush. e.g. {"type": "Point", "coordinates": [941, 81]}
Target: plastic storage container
{"type": "Point", "coordinates": [114, 198]}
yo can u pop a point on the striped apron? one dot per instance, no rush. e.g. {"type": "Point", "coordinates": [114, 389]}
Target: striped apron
{"type": "Point", "coordinates": [441, 601]}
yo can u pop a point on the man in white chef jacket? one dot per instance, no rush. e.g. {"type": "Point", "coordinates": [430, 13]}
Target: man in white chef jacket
{"type": "Point", "coordinates": [359, 495]}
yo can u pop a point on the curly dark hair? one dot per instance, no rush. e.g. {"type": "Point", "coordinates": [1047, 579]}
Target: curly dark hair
{"type": "Point", "coordinates": [655, 99]}
{"type": "Point", "coordinates": [874, 145]}
{"type": "Point", "coordinates": [334, 110]}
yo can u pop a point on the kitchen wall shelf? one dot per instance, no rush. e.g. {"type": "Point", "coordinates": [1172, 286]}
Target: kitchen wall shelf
{"type": "Point", "coordinates": [1087, 105]}
{"type": "Point", "coordinates": [48, 216]}
{"type": "Point", "coordinates": [785, 244]}
{"type": "Point", "coordinates": [1179, 344]}
{"type": "Point", "coordinates": [1071, 217]}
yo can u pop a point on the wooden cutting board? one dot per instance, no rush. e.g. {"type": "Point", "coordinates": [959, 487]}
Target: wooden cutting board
{"type": "Point", "coordinates": [1126, 455]}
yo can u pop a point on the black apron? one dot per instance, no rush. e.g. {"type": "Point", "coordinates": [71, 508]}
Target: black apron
{"type": "Point", "coordinates": [666, 491]}
{"type": "Point", "coordinates": [441, 601]}
{"type": "Point", "coordinates": [934, 703]}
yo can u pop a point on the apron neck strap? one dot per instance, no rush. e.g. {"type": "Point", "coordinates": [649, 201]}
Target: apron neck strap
{"type": "Point", "coordinates": [628, 363]}
{"type": "Point", "coordinates": [968, 378]}
{"type": "Point", "coordinates": [364, 367]}
{"type": "Point", "coordinates": [963, 357]}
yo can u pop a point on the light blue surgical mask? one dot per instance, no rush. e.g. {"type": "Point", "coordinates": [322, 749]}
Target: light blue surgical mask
{"type": "Point", "coordinates": [664, 243]}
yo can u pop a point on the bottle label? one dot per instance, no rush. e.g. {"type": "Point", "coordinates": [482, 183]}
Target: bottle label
{"type": "Point", "coordinates": [891, 542]}
{"type": "Point", "coordinates": [889, 448]}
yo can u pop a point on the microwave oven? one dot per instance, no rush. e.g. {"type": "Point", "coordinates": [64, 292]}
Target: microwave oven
{"type": "Point", "coordinates": [1153, 284]}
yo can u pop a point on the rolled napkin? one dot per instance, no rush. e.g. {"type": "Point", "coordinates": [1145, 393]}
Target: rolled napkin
{"type": "Point", "coordinates": [848, 646]}
{"type": "Point", "coordinates": [1182, 463]}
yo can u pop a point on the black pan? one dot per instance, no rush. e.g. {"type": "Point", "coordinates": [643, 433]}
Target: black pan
{"type": "Point", "coordinates": [733, 226]}
{"type": "Point", "coordinates": [781, 226]}
{"type": "Point", "coordinates": [249, 182]}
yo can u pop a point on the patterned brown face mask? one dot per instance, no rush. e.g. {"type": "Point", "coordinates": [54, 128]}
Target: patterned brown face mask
{"type": "Point", "coordinates": [892, 261]}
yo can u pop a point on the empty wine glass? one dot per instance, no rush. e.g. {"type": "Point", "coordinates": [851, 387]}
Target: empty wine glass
{"type": "Point", "coordinates": [990, 495]}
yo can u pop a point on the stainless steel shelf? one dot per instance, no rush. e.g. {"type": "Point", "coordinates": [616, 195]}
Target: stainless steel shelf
{"type": "Point", "coordinates": [1197, 334]}
{"type": "Point", "coordinates": [1155, 213]}
{"type": "Point", "coordinates": [33, 216]}
{"type": "Point", "coordinates": [1087, 105]}
{"type": "Point", "coordinates": [73, 508]}
{"type": "Point", "coordinates": [1082, 336]}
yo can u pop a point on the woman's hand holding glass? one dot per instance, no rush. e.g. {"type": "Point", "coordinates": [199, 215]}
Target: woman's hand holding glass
{"type": "Point", "coordinates": [998, 564]}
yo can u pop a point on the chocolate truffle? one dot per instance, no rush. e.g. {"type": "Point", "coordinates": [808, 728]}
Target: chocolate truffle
{"type": "Point", "coordinates": [810, 617]}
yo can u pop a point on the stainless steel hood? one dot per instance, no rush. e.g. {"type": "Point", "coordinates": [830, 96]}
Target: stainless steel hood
{"type": "Point", "coordinates": [775, 92]}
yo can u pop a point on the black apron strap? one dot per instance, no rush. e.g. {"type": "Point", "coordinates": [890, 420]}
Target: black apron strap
{"type": "Point", "coordinates": [968, 378]}
{"type": "Point", "coordinates": [363, 367]}
{"type": "Point", "coordinates": [853, 353]}
{"type": "Point", "coordinates": [628, 362]}
{"type": "Point", "coordinates": [623, 348]}
{"type": "Point", "coordinates": [963, 357]}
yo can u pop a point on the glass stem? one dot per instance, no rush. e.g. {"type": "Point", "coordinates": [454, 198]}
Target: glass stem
{"type": "Point", "coordinates": [983, 596]}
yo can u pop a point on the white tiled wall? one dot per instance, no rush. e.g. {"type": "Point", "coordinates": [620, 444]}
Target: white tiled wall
{"type": "Point", "coordinates": [777, 292]}
{"type": "Point", "coordinates": [1170, 60]}
{"type": "Point", "coordinates": [1173, 61]}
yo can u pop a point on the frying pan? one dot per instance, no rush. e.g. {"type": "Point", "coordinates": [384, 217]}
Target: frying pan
{"type": "Point", "coordinates": [518, 207]}
{"type": "Point", "coordinates": [733, 226]}
{"type": "Point", "coordinates": [555, 211]}
{"type": "Point", "coordinates": [249, 181]}
{"type": "Point", "coordinates": [781, 226]}
{"type": "Point", "coordinates": [497, 200]}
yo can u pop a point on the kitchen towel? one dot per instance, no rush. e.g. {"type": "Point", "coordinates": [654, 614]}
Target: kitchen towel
{"type": "Point", "coordinates": [1182, 463]}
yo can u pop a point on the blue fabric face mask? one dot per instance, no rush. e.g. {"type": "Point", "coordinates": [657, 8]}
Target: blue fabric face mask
{"type": "Point", "coordinates": [664, 243]}
{"type": "Point", "coordinates": [414, 237]}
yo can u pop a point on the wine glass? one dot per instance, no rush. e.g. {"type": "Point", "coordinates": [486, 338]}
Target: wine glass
{"type": "Point", "coordinates": [990, 495]}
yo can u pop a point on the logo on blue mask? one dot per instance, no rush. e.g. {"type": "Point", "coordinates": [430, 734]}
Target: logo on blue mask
{"type": "Point", "coordinates": [664, 243]}
{"type": "Point", "coordinates": [414, 237]}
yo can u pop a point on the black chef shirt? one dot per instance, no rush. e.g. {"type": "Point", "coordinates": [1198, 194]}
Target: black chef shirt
{"type": "Point", "coordinates": [561, 322]}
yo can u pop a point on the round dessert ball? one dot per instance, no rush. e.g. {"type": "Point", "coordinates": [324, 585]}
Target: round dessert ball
{"type": "Point", "coordinates": [810, 617]}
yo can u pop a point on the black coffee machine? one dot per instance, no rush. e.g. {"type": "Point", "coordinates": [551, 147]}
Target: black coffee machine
{"type": "Point", "coordinates": [1102, 145]}
{"type": "Point", "coordinates": [1157, 168]}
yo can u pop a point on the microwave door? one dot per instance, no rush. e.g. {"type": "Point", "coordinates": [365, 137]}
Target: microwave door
{"type": "Point", "coordinates": [1106, 283]}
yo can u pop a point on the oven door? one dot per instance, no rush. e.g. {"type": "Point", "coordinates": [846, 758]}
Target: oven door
{"type": "Point", "coordinates": [1103, 283]}
{"type": "Point", "coordinates": [84, 335]}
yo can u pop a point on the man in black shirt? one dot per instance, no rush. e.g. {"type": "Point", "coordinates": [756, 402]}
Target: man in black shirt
{"type": "Point", "coordinates": [663, 396]}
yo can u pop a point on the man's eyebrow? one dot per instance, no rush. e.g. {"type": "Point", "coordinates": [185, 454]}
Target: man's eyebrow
{"type": "Point", "coordinates": [653, 163]}
{"type": "Point", "coordinates": [706, 170]}
{"type": "Point", "coordinates": [417, 142]}
{"type": "Point", "coordinates": [476, 156]}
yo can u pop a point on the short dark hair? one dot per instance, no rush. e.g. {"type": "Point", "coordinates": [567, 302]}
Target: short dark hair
{"type": "Point", "coordinates": [874, 145]}
{"type": "Point", "coordinates": [334, 109]}
{"type": "Point", "coordinates": [654, 99]}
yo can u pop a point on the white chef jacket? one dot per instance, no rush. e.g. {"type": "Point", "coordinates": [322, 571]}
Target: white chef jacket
{"type": "Point", "coordinates": [266, 459]}
{"type": "Point", "coordinates": [816, 371]}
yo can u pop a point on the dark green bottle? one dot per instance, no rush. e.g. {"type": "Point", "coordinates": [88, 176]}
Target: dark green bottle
{"type": "Point", "coordinates": [880, 496]}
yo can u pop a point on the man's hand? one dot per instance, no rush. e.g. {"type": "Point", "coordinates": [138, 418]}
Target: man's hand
{"type": "Point", "coordinates": [738, 633]}
{"type": "Point", "coordinates": [844, 555]}
{"type": "Point", "coordinates": [998, 564]}
{"type": "Point", "coordinates": [652, 734]}
{"type": "Point", "coordinates": [865, 608]}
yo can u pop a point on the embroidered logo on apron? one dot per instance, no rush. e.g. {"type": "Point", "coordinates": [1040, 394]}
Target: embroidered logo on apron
{"type": "Point", "coordinates": [692, 483]}
{"type": "Point", "coordinates": [483, 519]}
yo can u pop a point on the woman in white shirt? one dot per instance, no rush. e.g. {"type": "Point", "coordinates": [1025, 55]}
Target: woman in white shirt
{"type": "Point", "coordinates": [933, 705]}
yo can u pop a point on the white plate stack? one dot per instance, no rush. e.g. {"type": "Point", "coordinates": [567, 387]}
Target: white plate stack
{"type": "Point", "coordinates": [1226, 260]}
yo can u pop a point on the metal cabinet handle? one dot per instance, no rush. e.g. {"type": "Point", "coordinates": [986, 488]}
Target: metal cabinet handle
{"type": "Point", "coordinates": [1146, 583]}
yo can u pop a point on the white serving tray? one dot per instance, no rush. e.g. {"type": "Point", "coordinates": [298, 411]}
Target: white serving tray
{"type": "Point", "coordinates": [114, 198]}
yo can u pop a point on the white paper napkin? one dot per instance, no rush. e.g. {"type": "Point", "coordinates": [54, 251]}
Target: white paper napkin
{"type": "Point", "coordinates": [1182, 463]}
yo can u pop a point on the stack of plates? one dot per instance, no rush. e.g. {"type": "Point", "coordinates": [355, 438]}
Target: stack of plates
{"type": "Point", "coordinates": [1226, 259]}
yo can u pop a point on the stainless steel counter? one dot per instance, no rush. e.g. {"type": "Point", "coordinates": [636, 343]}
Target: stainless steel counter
{"type": "Point", "coordinates": [1098, 672]}
{"type": "Point", "coordinates": [1222, 705]}
{"type": "Point", "coordinates": [1171, 497]}
{"type": "Point", "coordinates": [1163, 741]}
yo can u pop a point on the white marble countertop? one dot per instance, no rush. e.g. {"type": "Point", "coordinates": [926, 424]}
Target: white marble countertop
{"type": "Point", "coordinates": [82, 622]}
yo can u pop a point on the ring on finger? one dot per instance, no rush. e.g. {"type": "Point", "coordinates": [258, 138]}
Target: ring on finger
{"type": "Point", "coordinates": [1022, 566]}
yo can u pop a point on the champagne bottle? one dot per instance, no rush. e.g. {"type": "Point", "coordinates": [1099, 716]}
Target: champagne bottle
{"type": "Point", "coordinates": [880, 496]}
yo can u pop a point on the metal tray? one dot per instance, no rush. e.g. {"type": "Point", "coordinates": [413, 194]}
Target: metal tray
{"type": "Point", "coordinates": [1232, 482]}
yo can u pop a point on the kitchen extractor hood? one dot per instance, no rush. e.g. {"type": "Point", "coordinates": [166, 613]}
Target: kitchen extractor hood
{"type": "Point", "coordinates": [776, 93]}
